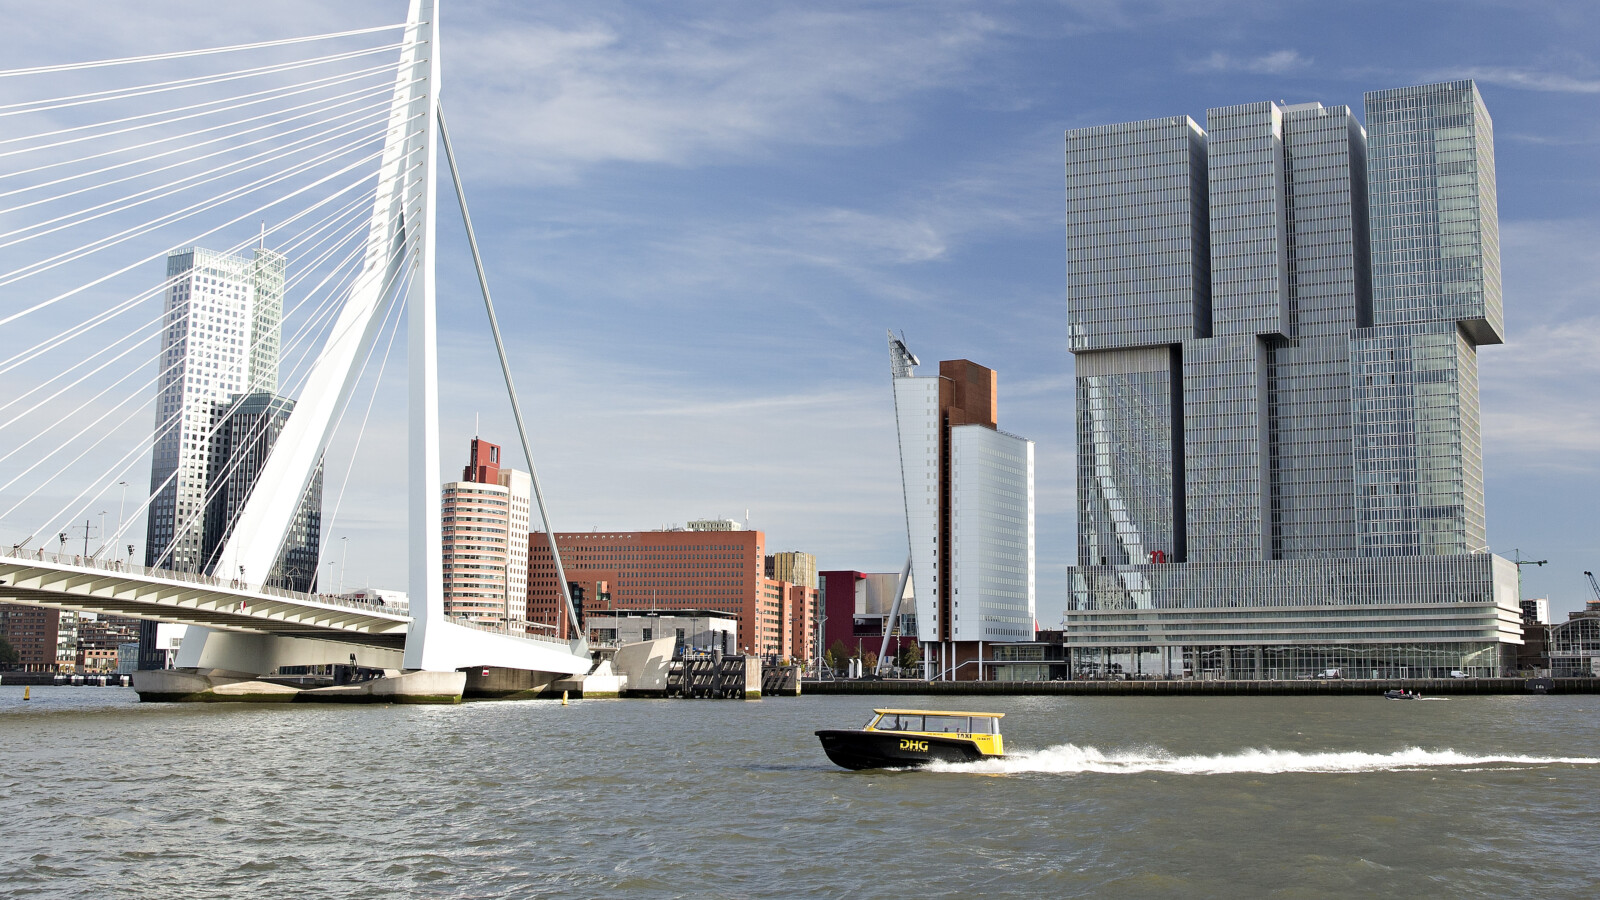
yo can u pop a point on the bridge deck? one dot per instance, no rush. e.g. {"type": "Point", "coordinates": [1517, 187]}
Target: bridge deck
{"type": "Point", "coordinates": [100, 586]}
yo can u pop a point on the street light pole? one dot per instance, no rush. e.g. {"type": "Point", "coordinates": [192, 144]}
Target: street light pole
{"type": "Point", "coordinates": [343, 558]}
{"type": "Point", "coordinates": [122, 506]}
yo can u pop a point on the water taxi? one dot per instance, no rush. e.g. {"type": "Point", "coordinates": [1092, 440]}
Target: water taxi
{"type": "Point", "coordinates": [1402, 694]}
{"type": "Point", "coordinates": [904, 738]}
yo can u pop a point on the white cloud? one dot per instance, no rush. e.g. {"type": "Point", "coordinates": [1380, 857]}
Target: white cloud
{"type": "Point", "coordinates": [1539, 412]}
{"type": "Point", "coordinates": [551, 97]}
{"type": "Point", "coordinates": [1278, 62]}
{"type": "Point", "coordinates": [1525, 79]}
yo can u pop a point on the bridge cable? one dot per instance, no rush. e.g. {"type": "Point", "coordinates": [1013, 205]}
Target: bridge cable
{"type": "Point", "coordinates": [185, 54]}
{"type": "Point", "coordinates": [581, 641]}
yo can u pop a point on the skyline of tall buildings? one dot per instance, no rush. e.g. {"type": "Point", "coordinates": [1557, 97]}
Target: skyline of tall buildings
{"type": "Point", "coordinates": [1274, 322]}
{"type": "Point", "coordinates": [1274, 319]}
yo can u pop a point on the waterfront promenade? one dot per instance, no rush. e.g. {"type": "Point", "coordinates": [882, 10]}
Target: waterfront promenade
{"type": "Point", "coordinates": [1325, 686]}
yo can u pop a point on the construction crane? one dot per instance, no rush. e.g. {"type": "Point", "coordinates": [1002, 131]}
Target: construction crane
{"type": "Point", "coordinates": [1517, 558]}
{"type": "Point", "coordinates": [1594, 586]}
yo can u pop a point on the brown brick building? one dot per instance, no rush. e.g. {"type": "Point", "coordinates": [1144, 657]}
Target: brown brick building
{"type": "Point", "coordinates": [640, 570]}
{"type": "Point", "coordinates": [34, 631]}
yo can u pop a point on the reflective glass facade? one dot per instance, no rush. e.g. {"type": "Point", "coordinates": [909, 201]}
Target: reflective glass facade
{"type": "Point", "coordinates": [1309, 436]}
{"type": "Point", "coordinates": [1128, 474]}
{"type": "Point", "coordinates": [1322, 416]}
{"type": "Point", "coordinates": [1420, 467]}
{"type": "Point", "coordinates": [1137, 263]}
{"type": "Point", "coordinates": [1224, 460]}
{"type": "Point", "coordinates": [1435, 224]}
{"type": "Point", "coordinates": [1575, 646]}
{"type": "Point", "coordinates": [1248, 223]}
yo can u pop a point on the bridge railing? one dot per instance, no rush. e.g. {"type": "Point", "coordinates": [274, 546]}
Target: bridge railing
{"type": "Point", "coordinates": [505, 630]}
{"type": "Point", "coordinates": [231, 584]}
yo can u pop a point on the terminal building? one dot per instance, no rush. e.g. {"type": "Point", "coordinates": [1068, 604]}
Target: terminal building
{"type": "Point", "coordinates": [1275, 322]}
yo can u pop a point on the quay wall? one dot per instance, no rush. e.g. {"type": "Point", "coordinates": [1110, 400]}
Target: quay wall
{"type": "Point", "coordinates": [1342, 686]}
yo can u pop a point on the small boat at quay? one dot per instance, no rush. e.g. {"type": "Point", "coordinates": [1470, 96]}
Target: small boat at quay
{"type": "Point", "coordinates": [909, 738]}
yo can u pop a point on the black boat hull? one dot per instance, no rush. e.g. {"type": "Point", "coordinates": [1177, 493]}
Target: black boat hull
{"type": "Point", "coordinates": [855, 749]}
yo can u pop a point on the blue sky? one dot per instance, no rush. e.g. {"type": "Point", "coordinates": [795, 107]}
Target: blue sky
{"type": "Point", "coordinates": [700, 218]}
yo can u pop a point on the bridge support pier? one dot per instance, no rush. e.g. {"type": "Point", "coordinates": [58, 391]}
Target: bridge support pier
{"type": "Point", "coordinates": [181, 686]}
{"type": "Point", "coordinates": [247, 655]}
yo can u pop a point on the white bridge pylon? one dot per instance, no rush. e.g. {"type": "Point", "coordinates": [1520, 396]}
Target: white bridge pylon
{"type": "Point", "coordinates": [398, 256]}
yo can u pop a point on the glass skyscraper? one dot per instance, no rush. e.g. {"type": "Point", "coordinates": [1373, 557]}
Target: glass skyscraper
{"type": "Point", "coordinates": [1275, 322]}
{"type": "Point", "coordinates": [217, 414]}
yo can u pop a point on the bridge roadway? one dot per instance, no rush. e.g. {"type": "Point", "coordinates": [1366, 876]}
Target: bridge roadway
{"type": "Point", "coordinates": [63, 581]}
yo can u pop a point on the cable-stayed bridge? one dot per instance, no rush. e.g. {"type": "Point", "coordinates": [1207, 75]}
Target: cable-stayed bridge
{"type": "Point", "coordinates": [288, 188]}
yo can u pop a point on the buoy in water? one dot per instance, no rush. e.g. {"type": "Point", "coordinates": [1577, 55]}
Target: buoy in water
{"type": "Point", "coordinates": [25, 691]}
{"type": "Point", "coordinates": [563, 698]}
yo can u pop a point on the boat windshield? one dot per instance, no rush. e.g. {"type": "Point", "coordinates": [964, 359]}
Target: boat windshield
{"type": "Point", "coordinates": [936, 723]}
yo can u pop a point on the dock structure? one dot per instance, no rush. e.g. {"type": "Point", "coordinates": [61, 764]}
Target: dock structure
{"type": "Point", "coordinates": [715, 677]}
{"type": "Point", "coordinates": [1218, 688]}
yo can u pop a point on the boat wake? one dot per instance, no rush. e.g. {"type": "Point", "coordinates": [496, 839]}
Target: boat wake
{"type": "Point", "coordinates": [1070, 759]}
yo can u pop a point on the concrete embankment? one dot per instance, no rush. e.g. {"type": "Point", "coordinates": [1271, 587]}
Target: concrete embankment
{"type": "Point", "coordinates": [1342, 686]}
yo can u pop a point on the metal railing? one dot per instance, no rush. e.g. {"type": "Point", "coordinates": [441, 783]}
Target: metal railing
{"type": "Point", "coordinates": [505, 629]}
{"type": "Point", "coordinates": [228, 584]}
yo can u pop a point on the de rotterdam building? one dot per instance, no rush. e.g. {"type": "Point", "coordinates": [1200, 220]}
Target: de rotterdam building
{"type": "Point", "coordinates": [1275, 321]}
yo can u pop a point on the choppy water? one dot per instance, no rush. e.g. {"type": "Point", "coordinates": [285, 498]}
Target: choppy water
{"type": "Point", "coordinates": [1107, 797]}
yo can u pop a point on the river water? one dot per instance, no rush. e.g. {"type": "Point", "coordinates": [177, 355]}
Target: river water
{"type": "Point", "coordinates": [1294, 797]}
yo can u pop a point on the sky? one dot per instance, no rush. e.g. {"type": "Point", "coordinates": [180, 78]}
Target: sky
{"type": "Point", "coordinates": [699, 220]}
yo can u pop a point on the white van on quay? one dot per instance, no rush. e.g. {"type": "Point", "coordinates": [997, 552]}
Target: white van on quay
{"type": "Point", "coordinates": [1459, 674]}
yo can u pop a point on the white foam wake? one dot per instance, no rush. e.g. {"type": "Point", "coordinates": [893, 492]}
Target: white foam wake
{"type": "Point", "coordinates": [1069, 759]}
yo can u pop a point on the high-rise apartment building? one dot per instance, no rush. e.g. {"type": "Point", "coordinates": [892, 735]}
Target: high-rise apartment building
{"type": "Point", "coordinates": [968, 489]}
{"type": "Point", "coordinates": [1274, 322]}
{"type": "Point", "coordinates": [485, 529]}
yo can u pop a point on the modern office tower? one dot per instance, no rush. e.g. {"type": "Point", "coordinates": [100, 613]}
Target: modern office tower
{"type": "Point", "coordinates": [222, 314]}
{"type": "Point", "coordinates": [223, 325]}
{"type": "Point", "coordinates": [721, 570]}
{"type": "Point", "coordinates": [968, 489]}
{"type": "Point", "coordinates": [1274, 322]}
{"type": "Point", "coordinates": [486, 540]}
{"type": "Point", "coordinates": [244, 430]}
{"type": "Point", "coordinates": [1435, 298]}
